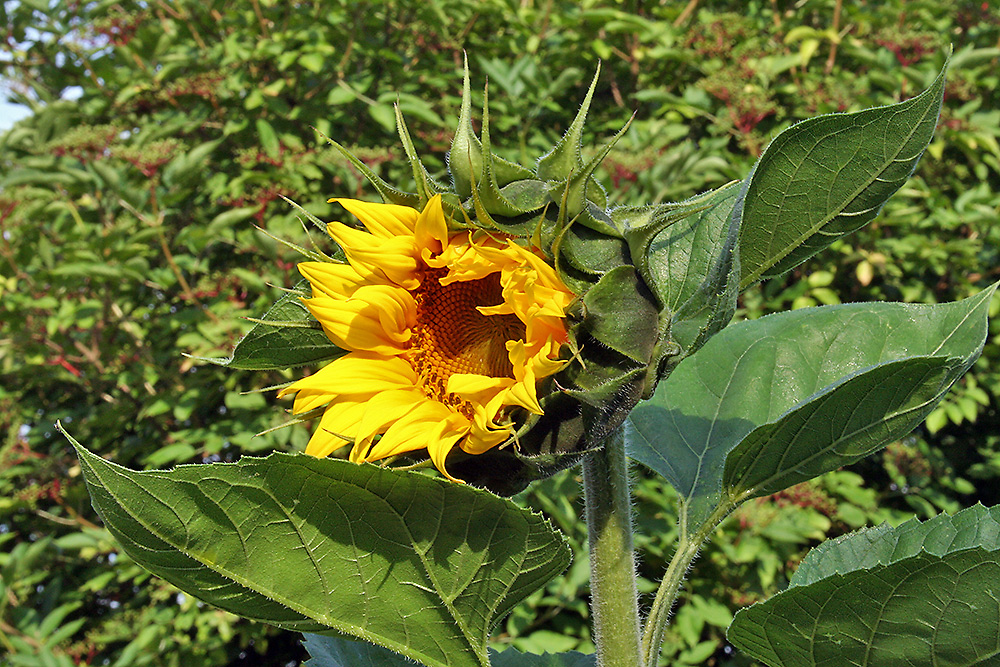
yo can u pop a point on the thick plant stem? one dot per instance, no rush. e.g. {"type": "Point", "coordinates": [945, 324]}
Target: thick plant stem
{"type": "Point", "coordinates": [614, 599]}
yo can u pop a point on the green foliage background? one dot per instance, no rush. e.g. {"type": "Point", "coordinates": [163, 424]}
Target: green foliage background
{"type": "Point", "coordinates": [164, 132]}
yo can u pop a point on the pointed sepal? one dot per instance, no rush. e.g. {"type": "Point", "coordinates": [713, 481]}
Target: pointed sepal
{"type": "Point", "coordinates": [427, 187]}
{"type": "Point", "coordinates": [566, 156]}
{"type": "Point", "coordinates": [389, 193]}
{"type": "Point", "coordinates": [465, 157]}
{"type": "Point", "coordinates": [488, 188]}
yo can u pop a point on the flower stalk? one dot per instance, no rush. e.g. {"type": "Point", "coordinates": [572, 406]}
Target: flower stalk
{"type": "Point", "coordinates": [614, 597]}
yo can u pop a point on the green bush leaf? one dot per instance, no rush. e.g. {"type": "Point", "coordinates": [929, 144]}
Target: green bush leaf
{"type": "Point", "coordinates": [759, 388]}
{"type": "Point", "coordinates": [917, 594]}
{"type": "Point", "coordinates": [286, 337]}
{"type": "Point", "coordinates": [268, 138]}
{"type": "Point", "coordinates": [409, 562]}
{"type": "Point", "coordinates": [829, 176]}
{"type": "Point", "coordinates": [338, 652]}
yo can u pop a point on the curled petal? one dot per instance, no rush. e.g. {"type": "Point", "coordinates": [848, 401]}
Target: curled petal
{"type": "Point", "coordinates": [384, 220]}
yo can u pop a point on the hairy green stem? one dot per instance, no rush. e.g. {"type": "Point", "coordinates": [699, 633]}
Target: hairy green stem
{"type": "Point", "coordinates": [670, 586]}
{"type": "Point", "coordinates": [666, 595]}
{"type": "Point", "coordinates": [614, 598]}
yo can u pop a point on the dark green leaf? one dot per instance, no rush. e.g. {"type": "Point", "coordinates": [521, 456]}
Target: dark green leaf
{"type": "Point", "coordinates": [774, 371]}
{"type": "Point", "coordinates": [827, 177]}
{"type": "Point", "coordinates": [841, 425]}
{"type": "Point", "coordinates": [918, 594]}
{"type": "Point", "coordinates": [415, 564]}
{"type": "Point", "coordinates": [327, 651]}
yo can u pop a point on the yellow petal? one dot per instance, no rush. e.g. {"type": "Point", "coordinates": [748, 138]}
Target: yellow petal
{"type": "Point", "coordinates": [414, 430]}
{"type": "Point", "coordinates": [431, 228]}
{"type": "Point", "coordinates": [386, 260]}
{"type": "Point", "coordinates": [483, 437]}
{"type": "Point", "coordinates": [523, 391]}
{"type": "Point", "coordinates": [323, 443]}
{"type": "Point", "coordinates": [332, 432]}
{"type": "Point", "coordinates": [385, 408]}
{"type": "Point", "coordinates": [474, 262]}
{"type": "Point", "coordinates": [357, 375]}
{"type": "Point", "coordinates": [444, 436]}
{"type": "Point", "coordinates": [329, 279]}
{"type": "Point", "coordinates": [476, 388]}
{"type": "Point", "coordinates": [377, 318]}
{"type": "Point", "coordinates": [385, 220]}
{"type": "Point", "coordinates": [372, 396]}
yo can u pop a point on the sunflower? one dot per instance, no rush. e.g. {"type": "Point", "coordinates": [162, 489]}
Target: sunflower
{"type": "Point", "coordinates": [446, 333]}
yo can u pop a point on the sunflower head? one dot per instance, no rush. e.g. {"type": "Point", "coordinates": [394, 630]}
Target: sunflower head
{"type": "Point", "coordinates": [501, 324]}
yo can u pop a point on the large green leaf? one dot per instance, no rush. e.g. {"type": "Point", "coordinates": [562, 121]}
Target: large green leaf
{"type": "Point", "coordinates": [840, 426]}
{"type": "Point", "coordinates": [975, 526]}
{"type": "Point", "coordinates": [800, 393]}
{"type": "Point", "coordinates": [412, 563]}
{"type": "Point", "coordinates": [513, 658]}
{"type": "Point", "coordinates": [829, 176]}
{"type": "Point", "coordinates": [327, 651]}
{"type": "Point", "coordinates": [287, 336]}
{"type": "Point", "coordinates": [917, 594]}
{"type": "Point", "coordinates": [338, 652]}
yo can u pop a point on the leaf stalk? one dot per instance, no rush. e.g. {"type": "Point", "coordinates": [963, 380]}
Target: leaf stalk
{"type": "Point", "coordinates": [670, 586]}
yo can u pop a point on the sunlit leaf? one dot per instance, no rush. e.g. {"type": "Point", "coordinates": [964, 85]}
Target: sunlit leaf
{"type": "Point", "coordinates": [411, 563]}
{"type": "Point", "coordinates": [795, 394]}
{"type": "Point", "coordinates": [918, 594]}
{"type": "Point", "coordinates": [976, 526]}
{"type": "Point", "coordinates": [829, 176]}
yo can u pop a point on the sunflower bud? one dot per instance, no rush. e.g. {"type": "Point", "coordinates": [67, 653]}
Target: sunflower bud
{"type": "Point", "coordinates": [506, 322]}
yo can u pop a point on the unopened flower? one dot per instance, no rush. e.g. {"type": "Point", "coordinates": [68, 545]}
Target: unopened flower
{"type": "Point", "coordinates": [447, 332]}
